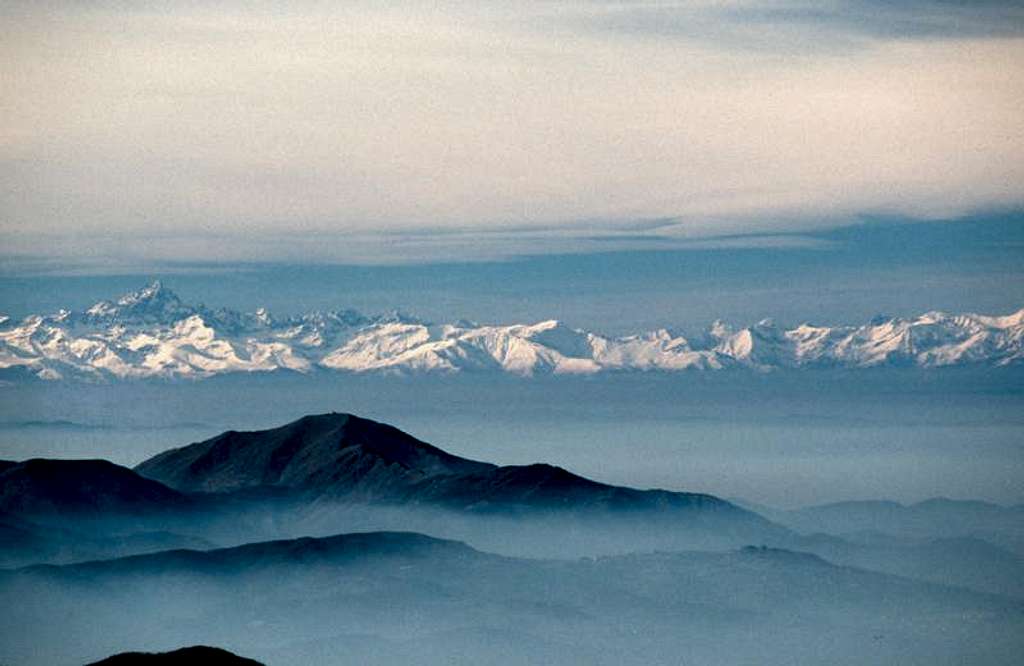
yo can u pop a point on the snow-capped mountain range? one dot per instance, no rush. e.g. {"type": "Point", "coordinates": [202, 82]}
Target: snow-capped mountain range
{"type": "Point", "coordinates": [152, 333]}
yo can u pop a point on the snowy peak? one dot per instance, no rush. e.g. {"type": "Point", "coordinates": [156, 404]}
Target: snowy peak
{"type": "Point", "coordinates": [153, 292]}
{"type": "Point", "coordinates": [151, 304]}
{"type": "Point", "coordinates": [152, 333]}
{"type": "Point", "coordinates": [1012, 320]}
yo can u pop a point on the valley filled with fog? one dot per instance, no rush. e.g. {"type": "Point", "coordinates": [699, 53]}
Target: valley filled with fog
{"type": "Point", "coordinates": [336, 539]}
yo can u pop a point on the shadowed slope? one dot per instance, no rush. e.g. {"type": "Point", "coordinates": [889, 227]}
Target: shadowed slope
{"type": "Point", "coordinates": [550, 487]}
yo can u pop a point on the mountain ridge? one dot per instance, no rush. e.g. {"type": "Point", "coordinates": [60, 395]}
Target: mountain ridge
{"type": "Point", "coordinates": [302, 454]}
{"type": "Point", "coordinates": [337, 456]}
{"type": "Point", "coordinates": [317, 464]}
{"type": "Point", "coordinates": [153, 333]}
{"type": "Point", "coordinates": [185, 655]}
{"type": "Point", "coordinates": [307, 550]}
{"type": "Point", "coordinates": [54, 487]}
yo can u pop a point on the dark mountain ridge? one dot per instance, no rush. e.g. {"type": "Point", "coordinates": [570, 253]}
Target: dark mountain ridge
{"type": "Point", "coordinates": [182, 656]}
{"type": "Point", "coordinates": [344, 457]}
{"type": "Point", "coordinates": [305, 551]}
{"type": "Point", "coordinates": [338, 473]}
{"type": "Point", "coordinates": [323, 452]}
{"type": "Point", "coordinates": [81, 488]}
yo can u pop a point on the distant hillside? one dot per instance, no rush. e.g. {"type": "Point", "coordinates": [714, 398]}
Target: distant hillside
{"type": "Point", "coordinates": [385, 598]}
{"type": "Point", "coordinates": [342, 549]}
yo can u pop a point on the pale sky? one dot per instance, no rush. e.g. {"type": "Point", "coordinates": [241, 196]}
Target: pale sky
{"type": "Point", "coordinates": [122, 121]}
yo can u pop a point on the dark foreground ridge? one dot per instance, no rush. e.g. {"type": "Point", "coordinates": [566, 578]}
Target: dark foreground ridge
{"type": "Point", "coordinates": [344, 457]}
{"type": "Point", "coordinates": [187, 656]}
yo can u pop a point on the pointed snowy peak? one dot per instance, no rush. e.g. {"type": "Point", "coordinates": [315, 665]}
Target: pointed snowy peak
{"type": "Point", "coordinates": [932, 317]}
{"type": "Point", "coordinates": [1014, 319]}
{"type": "Point", "coordinates": [330, 320]}
{"type": "Point", "coordinates": [738, 345]}
{"type": "Point", "coordinates": [399, 317]}
{"type": "Point", "coordinates": [555, 335]}
{"type": "Point", "coordinates": [263, 317]}
{"type": "Point", "coordinates": [151, 304]}
{"type": "Point", "coordinates": [719, 330]}
{"type": "Point", "coordinates": [768, 331]}
{"type": "Point", "coordinates": [151, 293]}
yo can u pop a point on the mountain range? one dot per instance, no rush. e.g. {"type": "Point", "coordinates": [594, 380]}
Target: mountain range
{"type": "Point", "coordinates": [152, 333]}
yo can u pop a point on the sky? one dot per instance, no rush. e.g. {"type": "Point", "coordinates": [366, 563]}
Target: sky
{"type": "Point", "coordinates": [836, 276]}
{"type": "Point", "coordinates": [407, 132]}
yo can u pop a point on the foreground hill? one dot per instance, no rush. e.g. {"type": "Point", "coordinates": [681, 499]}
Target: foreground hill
{"type": "Point", "coordinates": [152, 333]}
{"type": "Point", "coordinates": [376, 598]}
{"type": "Point", "coordinates": [189, 656]}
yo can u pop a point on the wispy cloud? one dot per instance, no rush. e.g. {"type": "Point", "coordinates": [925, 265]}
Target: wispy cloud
{"type": "Point", "coordinates": [807, 26]}
{"type": "Point", "coordinates": [220, 120]}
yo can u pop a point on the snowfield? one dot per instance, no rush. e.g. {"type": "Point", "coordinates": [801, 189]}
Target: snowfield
{"type": "Point", "coordinates": [152, 333]}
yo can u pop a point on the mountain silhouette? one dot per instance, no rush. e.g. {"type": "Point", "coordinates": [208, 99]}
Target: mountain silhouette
{"type": "Point", "coordinates": [197, 654]}
{"type": "Point", "coordinates": [371, 547]}
{"type": "Point", "coordinates": [83, 488]}
{"type": "Point", "coordinates": [342, 456]}
{"type": "Point", "coordinates": [330, 452]}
